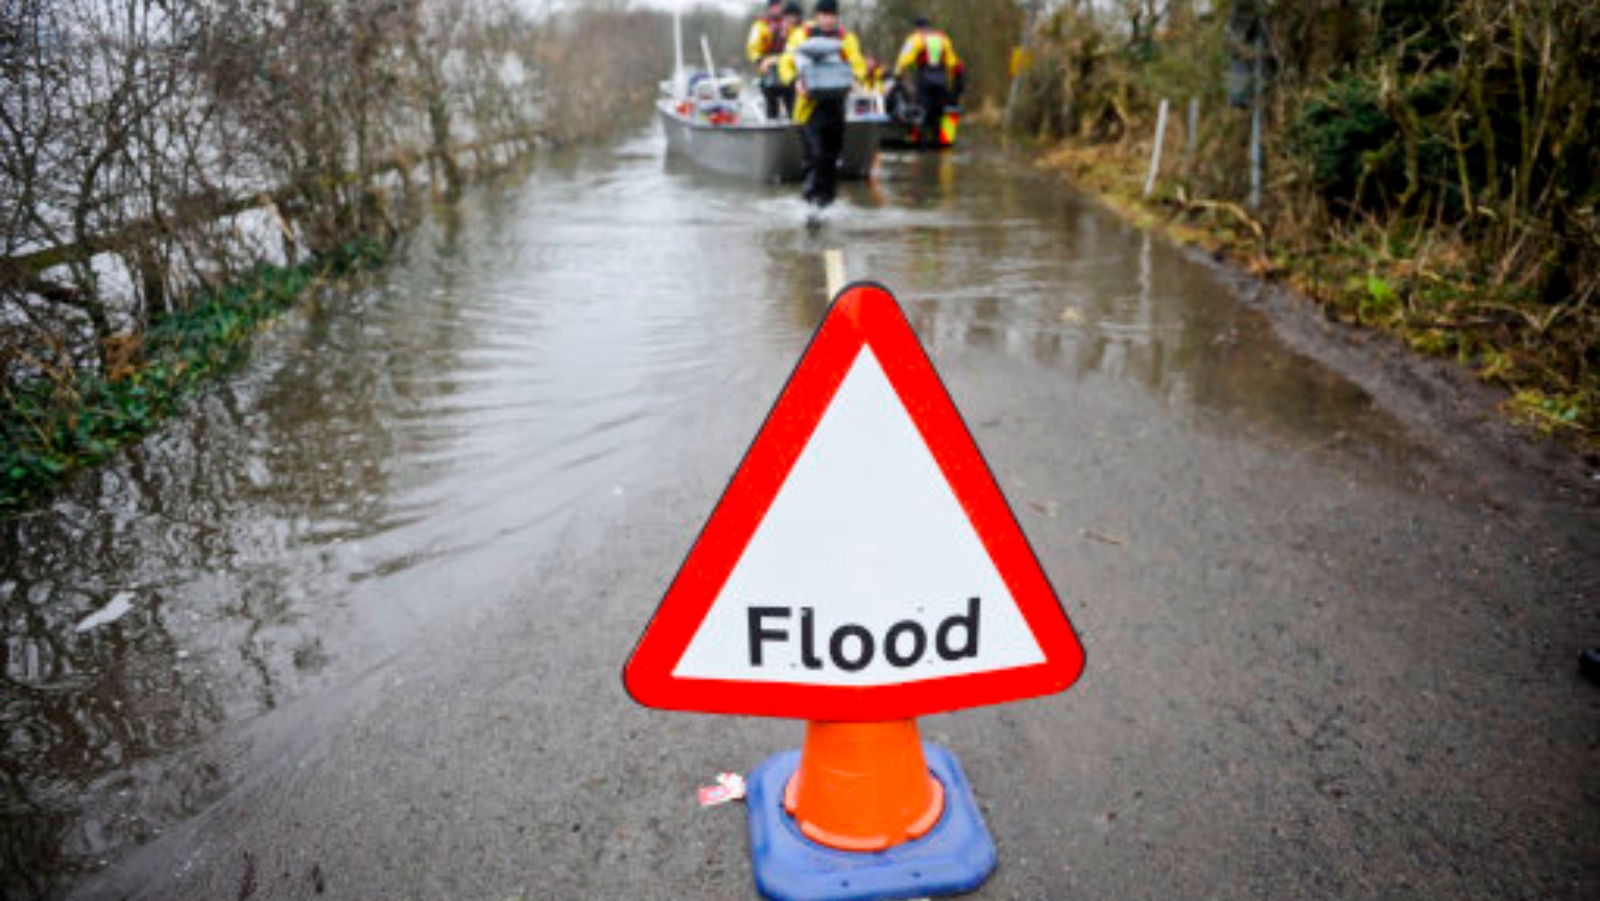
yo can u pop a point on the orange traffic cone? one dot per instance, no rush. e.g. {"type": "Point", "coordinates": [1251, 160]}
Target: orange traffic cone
{"type": "Point", "coordinates": [865, 811]}
{"type": "Point", "coordinates": [863, 786]}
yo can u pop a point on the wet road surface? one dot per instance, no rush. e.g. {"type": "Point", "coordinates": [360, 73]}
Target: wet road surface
{"type": "Point", "coordinates": [364, 611]}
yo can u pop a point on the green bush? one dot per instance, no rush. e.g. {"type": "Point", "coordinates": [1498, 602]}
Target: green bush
{"type": "Point", "coordinates": [1361, 153]}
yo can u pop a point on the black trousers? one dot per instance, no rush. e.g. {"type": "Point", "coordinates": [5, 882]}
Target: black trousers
{"type": "Point", "coordinates": [823, 141]}
{"type": "Point", "coordinates": [933, 97]}
{"type": "Point", "coordinates": [780, 100]}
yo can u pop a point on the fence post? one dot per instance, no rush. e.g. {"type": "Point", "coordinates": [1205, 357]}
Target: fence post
{"type": "Point", "coordinates": [1155, 152]}
{"type": "Point", "coordinates": [1016, 79]}
{"type": "Point", "coordinates": [1255, 133]}
{"type": "Point", "coordinates": [1194, 129]}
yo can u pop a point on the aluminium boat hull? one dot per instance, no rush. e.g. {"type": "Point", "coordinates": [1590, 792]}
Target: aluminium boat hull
{"type": "Point", "coordinates": [764, 151]}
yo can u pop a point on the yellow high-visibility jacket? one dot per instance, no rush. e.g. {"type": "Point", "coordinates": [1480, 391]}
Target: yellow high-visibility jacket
{"type": "Point", "coordinates": [788, 70]}
{"type": "Point", "coordinates": [765, 40]}
{"type": "Point", "coordinates": [928, 47]}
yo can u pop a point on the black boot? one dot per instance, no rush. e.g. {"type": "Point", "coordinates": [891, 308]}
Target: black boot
{"type": "Point", "coordinates": [1589, 664]}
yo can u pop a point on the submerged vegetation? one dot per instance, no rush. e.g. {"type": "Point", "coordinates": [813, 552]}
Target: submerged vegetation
{"type": "Point", "coordinates": [1429, 167]}
{"type": "Point", "coordinates": [62, 420]}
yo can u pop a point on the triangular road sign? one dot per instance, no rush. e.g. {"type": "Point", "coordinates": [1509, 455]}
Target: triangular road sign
{"type": "Point", "coordinates": [862, 564]}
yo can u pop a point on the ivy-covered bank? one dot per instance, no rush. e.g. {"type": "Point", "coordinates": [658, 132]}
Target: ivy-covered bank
{"type": "Point", "coordinates": [57, 423]}
{"type": "Point", "coordinates": [151, 148]}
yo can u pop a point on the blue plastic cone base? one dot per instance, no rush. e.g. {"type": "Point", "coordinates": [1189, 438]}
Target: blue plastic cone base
{"type": "Point", "coordinates": [956, 856]}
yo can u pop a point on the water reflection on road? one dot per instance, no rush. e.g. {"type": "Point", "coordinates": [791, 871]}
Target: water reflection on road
{"type": "Point", "coordinates": [411, 444]}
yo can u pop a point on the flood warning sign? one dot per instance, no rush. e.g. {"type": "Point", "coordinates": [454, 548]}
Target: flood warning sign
{"type": "Point", "coordinates": [863, 563]}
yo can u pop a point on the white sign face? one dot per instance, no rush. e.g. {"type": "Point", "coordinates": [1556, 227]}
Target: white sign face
{"type": "Point", "coordinates": [866, 570]}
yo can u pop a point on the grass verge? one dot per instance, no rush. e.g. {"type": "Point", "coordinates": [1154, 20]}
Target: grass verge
{"type": "Point", "coordinates": [1416, 284]}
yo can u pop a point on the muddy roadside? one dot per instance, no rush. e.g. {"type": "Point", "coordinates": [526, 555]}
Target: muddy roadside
{"type": "Point", "coordinates": [1443, 403]}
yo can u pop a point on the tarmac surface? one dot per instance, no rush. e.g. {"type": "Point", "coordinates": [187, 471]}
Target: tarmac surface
{"type": "Point", "coordinates": [1332, 611]}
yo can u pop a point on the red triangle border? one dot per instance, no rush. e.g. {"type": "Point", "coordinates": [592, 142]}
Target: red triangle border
{"type": "Point", "coordinates": [863, 314]}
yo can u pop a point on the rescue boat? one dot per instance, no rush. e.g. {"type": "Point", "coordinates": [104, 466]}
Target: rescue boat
{"type": "Point", "coordinates": [718, 122]}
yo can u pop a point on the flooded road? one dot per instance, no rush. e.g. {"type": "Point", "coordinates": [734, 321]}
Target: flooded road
{"type": "Point", "coordinates": [354, 626]}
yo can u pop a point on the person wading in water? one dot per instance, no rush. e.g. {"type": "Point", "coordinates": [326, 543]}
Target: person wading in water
{"type": "Point", "coordinates": [823, 61]}
{"type": "Point", "coordinates": [939, 76]}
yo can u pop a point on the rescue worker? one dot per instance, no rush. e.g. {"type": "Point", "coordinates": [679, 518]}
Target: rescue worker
{"type": "Point", "coordinates": [822, 60]}
{"type": "Point", "coordinates": [876, 73]}
{"type": "Point", "coordinates": [768, 36]}
{"type": "Point", "coordinates": [938, 78]}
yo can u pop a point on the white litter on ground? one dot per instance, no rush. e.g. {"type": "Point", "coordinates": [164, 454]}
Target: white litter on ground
{"type": "Point", "coordinates": [110, 613]}
{"type": "Point", "coordinates": [729, 787]}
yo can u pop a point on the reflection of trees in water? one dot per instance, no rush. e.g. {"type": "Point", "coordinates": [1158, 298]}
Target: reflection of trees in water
{"type": "Point", "coordinates": [79, 712]}
{"type": "Point", "coordinates": [232, 530]}
{"type": "Point", "coordinates": [1072, 289]}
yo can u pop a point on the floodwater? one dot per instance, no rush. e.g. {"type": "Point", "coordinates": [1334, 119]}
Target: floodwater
{"type": "Point", "coordinates": [407, 447]}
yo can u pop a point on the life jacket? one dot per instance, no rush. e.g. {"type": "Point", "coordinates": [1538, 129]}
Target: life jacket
{"type": "Point", "coordinates": [777, 36]}
{"type": "Point", "coordinates": [932, 64]}
{"type": "Point", "coordinates": [822, 67]}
